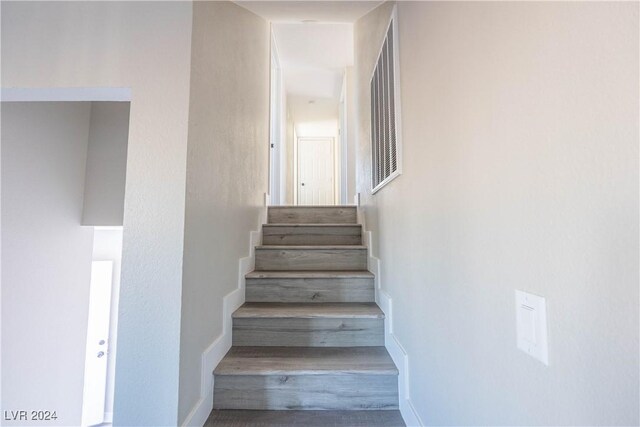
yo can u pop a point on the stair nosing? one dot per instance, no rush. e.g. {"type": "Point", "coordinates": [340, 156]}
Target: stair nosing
{"type": "Point", "coordinates": [246, 369]}
{"type": "Point", "coordinates": [283, 310]}
{"type": "Point", "coordinates": [310, 274]}
{"type": "Point", "coordinates": [313, 206]}
{"type": "Point", "coordinates": [293, 372]}
{"type": "Point", "coordinates": [312, 247]}
{"type": "Point", "coordinates": [312, 224]}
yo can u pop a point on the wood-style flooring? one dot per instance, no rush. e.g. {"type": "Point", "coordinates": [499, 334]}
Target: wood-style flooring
{"type": "Point", "coordinates": [243, 418]}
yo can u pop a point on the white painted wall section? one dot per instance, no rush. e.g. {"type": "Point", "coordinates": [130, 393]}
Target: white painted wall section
{"type": "Point", "coordinates": [146, 47]}
{"type": "Point", "coordinates": [46, 258]}
{"type": "Point", "coordinates": [227, 177]}
{"type": "Point", "coordinates": [520, 144]}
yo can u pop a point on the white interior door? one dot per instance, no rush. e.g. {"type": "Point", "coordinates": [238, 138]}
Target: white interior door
{"type": "Point", "coordinates": [95, 369]}
{"type": "Point", "coordinates": [315, 171]}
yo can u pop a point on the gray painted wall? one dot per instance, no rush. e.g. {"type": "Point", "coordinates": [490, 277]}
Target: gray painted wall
{"type": "Point", "coordinates": [226, 171]}
{"type": "Point", "coordinates": [520, 128]}
{"type": "Point", "coordinates": [145, 46]}
{"type": "Point", "coordinates": [46, 258]}
{"type": "Point", "coordinates": [106, 164]}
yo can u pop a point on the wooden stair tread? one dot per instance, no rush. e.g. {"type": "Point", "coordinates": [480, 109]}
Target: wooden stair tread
{"type": "Point", "coordinates": [306, 361]}
{"type": "Point", "coordinates": [312, 206]}
{"type": "Point", "coordinates": [312, 214]}
{"type": "Point", "coordinates": [367, 310]}
{"type": "Point", "coordinates": [311, 286]}
{"type": "Point", "coordinates": [312, 234]}
{"type": "Point", "coordinates": [319, 257]}
{"type": "Point", "coordinates": [293, 418]}
{"type": "Point", "coordinates": [355, 274]}
{"type": "Point", "coordinates": [312, 224]}
{"type": "Point", "coordinates": [312, 247]}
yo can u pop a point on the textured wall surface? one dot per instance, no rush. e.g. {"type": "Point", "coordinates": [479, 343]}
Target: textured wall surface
{"type": "Point", "coordinates": [226, 171]}
{"type": "Point", "coordinates": [145, 46]}
{"type": "Point", "coordinates": [520, 130]}
{"type": "Point", "coordinates": [46, 258]}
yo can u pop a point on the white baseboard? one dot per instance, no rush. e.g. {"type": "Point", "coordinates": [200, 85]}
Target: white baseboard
{"type": "Point", "coordinates": [221, 345]}
{"type": "Point", "coordinates": [395, 349]}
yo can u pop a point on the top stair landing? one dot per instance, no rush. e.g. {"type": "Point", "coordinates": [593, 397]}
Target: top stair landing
{"type": "Point", "coordinates": [312, 215]}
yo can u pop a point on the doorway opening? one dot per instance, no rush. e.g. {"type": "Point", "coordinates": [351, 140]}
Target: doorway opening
{"type": "Point", "coordinates": [63, 181]}
{"type": "Point", "coordinates": [102, 327]}
{"type": "Point", "coordinates": [277, 167]}
{"type": "Point", "coordinates": [309, 146]}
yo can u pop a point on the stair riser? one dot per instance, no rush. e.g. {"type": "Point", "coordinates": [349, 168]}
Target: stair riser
{"type": "Point", "coordinates": [313, 332]}
{"type": "Point", "coordinates": [321, 392]}
{"type": "Point", "coordinates": [310, 290]}
{"type": "Point", "coordinates": [312, 215]}
{"type": "Point", "coordinates": [310, 235]}
{"type": "Point", "coordinates": [310, 259]}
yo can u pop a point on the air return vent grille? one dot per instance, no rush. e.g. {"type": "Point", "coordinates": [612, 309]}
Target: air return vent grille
{"type": "Point", "coordinates": [385, 156]}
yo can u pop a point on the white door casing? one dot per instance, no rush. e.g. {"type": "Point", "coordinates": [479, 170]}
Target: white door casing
{"type": "Point", "coordinates": [277, 166]}
{"type": "Point", "coordinates": [316, 170]}
{"type": "Point", "coordinates": [342, 134]}
{"type": "Point", "coordinates": [96, 360]}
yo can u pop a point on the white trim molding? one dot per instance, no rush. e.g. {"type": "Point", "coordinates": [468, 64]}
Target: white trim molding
{"type": "Point", "coordinates": [221, 345]}
{"type": "Point", "coordinates": [50, 94]}
{"type": "Point", "coordinates": [395, 349]}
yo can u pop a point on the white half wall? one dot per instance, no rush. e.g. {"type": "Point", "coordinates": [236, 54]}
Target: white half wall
{"type": "Point", "coordinates": [46, 259]}
{"type": "Point", "coordinates": [144, 46]}
{"type": "Point", "coordinates": [227, 176]}
{"type": "Point", "coordinates": [520, 171]}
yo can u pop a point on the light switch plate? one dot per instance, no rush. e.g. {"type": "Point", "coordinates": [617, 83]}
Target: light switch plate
{"type": "Point", "coordinates": [531, 319]}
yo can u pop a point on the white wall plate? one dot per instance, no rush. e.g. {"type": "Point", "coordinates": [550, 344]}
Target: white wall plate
{"type": "Point", "coordinates": [531, 318]}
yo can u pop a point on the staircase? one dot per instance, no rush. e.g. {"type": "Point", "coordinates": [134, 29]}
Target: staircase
{"type": "Point", "coordinates": [310, 336]}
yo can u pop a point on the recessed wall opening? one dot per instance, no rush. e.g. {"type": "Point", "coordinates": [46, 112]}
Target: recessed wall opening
{"type": "Point", "coordinates": [63, 188]}
{"type": "Point", "coordinates": [310, 159]}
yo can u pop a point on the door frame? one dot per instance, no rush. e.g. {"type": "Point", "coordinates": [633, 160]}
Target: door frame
{"type": "Point", "coordinates": [341, 184]}
{"type": "Point", "coordinates": [296, 170]}
{"type": "Point", "coordinates": [276, 161]}
{"type": "Point", "coordinates": [102, 275]}
{"type": "Point", "coordinates": [90, 94]}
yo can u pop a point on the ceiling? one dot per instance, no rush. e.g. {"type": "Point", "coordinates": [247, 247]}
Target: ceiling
{"type": "Point", "coordinates": [313, 57]}
{"type": "Point", "coordinates": [314, 42]}
{"type": "Point", "coordinates": [319, 118]}
{"type": "Point", "coordinates": [321, 11]}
